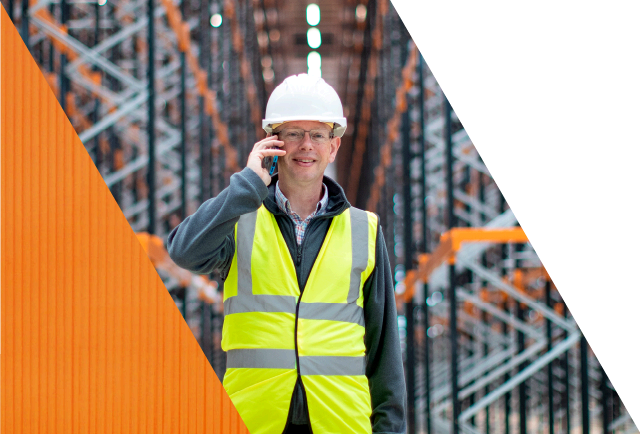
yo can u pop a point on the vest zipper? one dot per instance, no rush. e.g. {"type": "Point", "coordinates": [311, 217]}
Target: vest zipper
{"type": "Point", "coordinates": [296, 340]}
{"type": "Point", "coordinates": [299, 263]}
{"type": "Point", "coordinates": [304, 392]}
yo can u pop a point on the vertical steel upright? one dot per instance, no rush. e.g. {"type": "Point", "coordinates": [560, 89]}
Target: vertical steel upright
{"type": "Point", "coordinates": [63, 81]}
{"type": "Point", "coordinates": [505, 332]}
{"type": "Point", "coordinates": [550, 408]}
{"type": "Point", "coordinates": [425, 242]}
{"type": "Point", "coordinates": [96, 101]}
{"type": "Point", "coordinates": [522, 392]}
{"type": "Point", "coordinates": [408, 264]}
{"type": "Point", "coordinates": [567, 384]}
{"type": "Point", "coordinates": [485, 315]}
{"type": "Point", "coordinates": [52, 48]}
{"type": "Point", "coordinates": [24, 23]}
{"type": "Point", "coordinates": [115, 146]}
{"type": "Point", "coordinates": [151, 131]}
{"type": "Point", "coordinates": [507, 377]}
{"type": "Point", "coordinates": [453, 308]}
{"type": "Point", "coordinates": [584, 374]}
{"type": "Point", "coordinates": [485, 353]}
{"type": "Point", "coordinates": [605, 399]}
{"type": "Point", "coordinates": [206, 66]}
{"type": "Point", "coordinates": [520, 314]}
{"type": "Point", "coordinates": [183, 124]}
{"type": "Point", "coordinates": [202, 146]}
{"type": "Point", "coordinates": [204, 130]}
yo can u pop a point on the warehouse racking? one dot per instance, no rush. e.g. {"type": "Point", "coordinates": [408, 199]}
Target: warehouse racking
{"type": "Point", "coordinates": [168, 105]}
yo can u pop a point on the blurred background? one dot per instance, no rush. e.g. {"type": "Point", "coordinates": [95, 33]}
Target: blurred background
{"type": "Point", "coordinates": [168, 96]}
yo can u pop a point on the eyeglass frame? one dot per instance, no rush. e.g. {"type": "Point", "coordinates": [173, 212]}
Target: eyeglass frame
{"type": "Point", "coordinates": [331, 135]}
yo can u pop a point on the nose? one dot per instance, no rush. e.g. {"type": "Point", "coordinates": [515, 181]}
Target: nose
{"type": "Point", "coordinates": [306, 141]}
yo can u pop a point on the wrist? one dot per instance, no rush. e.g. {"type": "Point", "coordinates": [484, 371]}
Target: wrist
{"type": "Point", "coordinates": [256, 181]}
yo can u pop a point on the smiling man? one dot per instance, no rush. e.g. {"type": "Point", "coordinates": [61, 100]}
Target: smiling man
{"type": "Point", "coordinates": [310, 325]}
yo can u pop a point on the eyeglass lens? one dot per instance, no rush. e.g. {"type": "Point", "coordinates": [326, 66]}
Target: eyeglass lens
{"type": "Point", "coordinates": [297, 135]}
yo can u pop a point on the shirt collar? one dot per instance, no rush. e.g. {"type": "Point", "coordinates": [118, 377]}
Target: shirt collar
{"type": "Point", "coordinates": [285, 206]}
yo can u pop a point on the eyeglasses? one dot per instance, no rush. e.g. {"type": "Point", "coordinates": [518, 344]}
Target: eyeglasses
{"type": "Point", "coordinates": [296, 135]}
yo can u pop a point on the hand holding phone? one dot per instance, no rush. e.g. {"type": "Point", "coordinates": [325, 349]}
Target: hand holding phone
{"type": "Point", "coordinates": [263, 157]}
{"type": "Point", "coordinates": [270, 162]}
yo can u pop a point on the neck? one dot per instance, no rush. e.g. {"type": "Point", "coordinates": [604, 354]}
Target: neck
{"type": "Point", "coordinates": [302, 198]}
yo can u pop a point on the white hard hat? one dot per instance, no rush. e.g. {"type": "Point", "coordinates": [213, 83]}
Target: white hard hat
{"type": "Point", "coordinates": [305, 98]}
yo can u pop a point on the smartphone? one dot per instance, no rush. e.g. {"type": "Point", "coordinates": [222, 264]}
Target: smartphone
{"type": "Point", "coordinates": [270, 162]}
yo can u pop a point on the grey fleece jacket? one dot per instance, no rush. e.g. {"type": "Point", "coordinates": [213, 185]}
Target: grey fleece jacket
{"type": "Point", "coordinates": [204, 242]}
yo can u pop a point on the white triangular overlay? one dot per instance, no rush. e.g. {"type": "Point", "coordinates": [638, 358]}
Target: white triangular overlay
{"type": "Point", "coordinates": [549, 93]}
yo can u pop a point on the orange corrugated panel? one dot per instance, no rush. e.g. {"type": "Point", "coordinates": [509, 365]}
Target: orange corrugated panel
{"type": "Point", "coordinates": [91, 340]}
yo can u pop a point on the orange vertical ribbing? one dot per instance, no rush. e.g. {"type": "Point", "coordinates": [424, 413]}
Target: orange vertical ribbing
{"type": "Point", "coordinates": [18, 306]}
{"type": "Point", "coordinates": [11, 260]}
{"type": "Point", "coordinates": [3, 233]}
{"type": "Point", "coordinates": [7, 301]}
{"type": "Point", "coordinates": [91, 341]}
{"type": "Point", "coordinates": [4, 271]}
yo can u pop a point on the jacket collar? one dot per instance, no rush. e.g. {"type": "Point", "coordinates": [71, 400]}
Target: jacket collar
{"type": "Point", "coordinates": [337, 199]}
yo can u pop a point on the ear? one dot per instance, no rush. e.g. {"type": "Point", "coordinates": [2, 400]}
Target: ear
{"type": "Point", "coordinates": [335, 145]}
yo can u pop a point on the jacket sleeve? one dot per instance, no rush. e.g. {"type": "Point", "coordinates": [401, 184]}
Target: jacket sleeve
{"type": "Point", "coordinates": [204, 241]}
{"type": "Point", "coordinates": [384, 357]}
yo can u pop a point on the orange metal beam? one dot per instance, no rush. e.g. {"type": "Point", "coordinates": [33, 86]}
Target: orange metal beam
{"type": "Point", "coordinates": [450, 243]}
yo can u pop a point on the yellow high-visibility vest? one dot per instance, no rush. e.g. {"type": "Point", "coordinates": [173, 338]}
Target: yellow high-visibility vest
{"type": "Point", "coordinates": [272, 335]}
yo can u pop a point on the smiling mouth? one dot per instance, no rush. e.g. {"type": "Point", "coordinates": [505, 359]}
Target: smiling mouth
{"type": "Point", "coordinates": [304, 160]}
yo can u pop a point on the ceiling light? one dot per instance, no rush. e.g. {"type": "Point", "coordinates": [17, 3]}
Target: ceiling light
{"type": "Point", "coordinates": [216, 20]}
{"type": "Point", "coordinates": [314, 64]}
{"type": "Point", "coordinates": [268, 75]}
{"type": "Point", "coordinates": [258, 17]}
{"type": "Point", "coordinates": [274, 35]}
{"type": "Point", "coordinates": [263, 39]}
{"type": "Point", "coordinates": [266, 62]}
{"type": "Point", "coordinates": [315, 73]}
{"type": "Point", "coordinates": [314, 60]}
{"type": "Point", "coordinates": [361, 13]}
{"type": "Point", "coordinates": [272, 17]}
{"type": "Point", "coordinates": [313, 14]}
{"type": "Point", "coordinates": [314, 39]}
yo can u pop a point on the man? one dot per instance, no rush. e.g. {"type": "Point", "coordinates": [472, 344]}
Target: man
{"type": "Point", "coordinates": [310, 324]}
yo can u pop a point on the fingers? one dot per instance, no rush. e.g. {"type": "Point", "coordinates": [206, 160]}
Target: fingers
{"type": "Point", "coordinates": [268, 142]}
{"type": "Point", "coordinates": [271, 152]}
{"type": "Point", "coordinates": [267, 147]}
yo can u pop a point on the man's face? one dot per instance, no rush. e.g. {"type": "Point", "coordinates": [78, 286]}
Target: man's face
{"type": "Point", "coordinates": [307, 160]}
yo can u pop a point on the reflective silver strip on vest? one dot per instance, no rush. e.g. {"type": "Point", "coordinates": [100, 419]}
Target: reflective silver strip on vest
{"type": "Point", "coordinates": [260, 303]}
{"type": "Point", "coordinates": [246, 301]}
{"type": "Point", "coordinates": [246, 232]}
{"type": "Point", "coordinates": [333, 312]}
{"type": "Point", "coordinates": [261, 358]}
{"type": "Point", "coordinates": [359, 256]}
{"type": "Point", "coordinates": [332, 365]}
